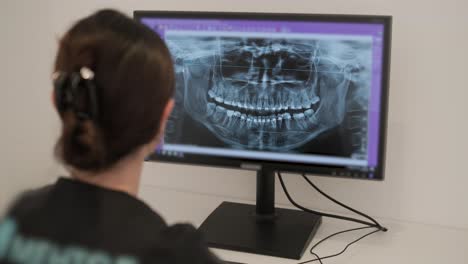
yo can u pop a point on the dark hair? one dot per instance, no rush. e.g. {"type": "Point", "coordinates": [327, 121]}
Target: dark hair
{"type": "Point", "coordinates": [134, 79]}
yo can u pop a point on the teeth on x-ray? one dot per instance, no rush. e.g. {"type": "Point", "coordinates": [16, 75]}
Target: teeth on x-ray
{"type": "Point", "coordinates": [272, 94]}
{"type": "Point", "coordinates": [262, 105]}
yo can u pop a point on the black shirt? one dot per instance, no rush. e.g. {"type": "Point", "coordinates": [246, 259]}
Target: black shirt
{"type": "Point", "coordinates": [75, 222]}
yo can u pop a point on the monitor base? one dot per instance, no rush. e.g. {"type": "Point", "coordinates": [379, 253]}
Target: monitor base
{"type": "Point", "coordinates": [236, 226]}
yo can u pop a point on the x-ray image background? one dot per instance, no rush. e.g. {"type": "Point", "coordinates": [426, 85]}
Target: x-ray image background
{"type": "Point", "coordinates": [271, 94]}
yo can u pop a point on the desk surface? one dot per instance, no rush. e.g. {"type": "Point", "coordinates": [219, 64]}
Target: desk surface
{"type": "Point", "coordinates": [405, 242]}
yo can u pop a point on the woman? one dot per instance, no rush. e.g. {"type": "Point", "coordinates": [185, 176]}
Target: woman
{"type": "Point", "coordinates": [113, 84]}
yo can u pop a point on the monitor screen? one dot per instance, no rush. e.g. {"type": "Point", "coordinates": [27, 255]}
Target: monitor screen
{"type": "Point", "coordinates": [292, 92]}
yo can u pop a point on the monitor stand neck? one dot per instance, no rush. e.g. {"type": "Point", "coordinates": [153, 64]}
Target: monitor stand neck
{"type": "Point", "coordinates": [265, 207]}
{"type": "Point", "coordinates": [261, 229]}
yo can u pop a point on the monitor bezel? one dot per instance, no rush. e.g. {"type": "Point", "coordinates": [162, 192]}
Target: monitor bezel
{"type": "Point", "coordinates": [324, 170]}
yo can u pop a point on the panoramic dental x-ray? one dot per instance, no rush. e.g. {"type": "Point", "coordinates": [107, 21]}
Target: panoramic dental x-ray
{"type": "Point", "coordinates": [271, 94]}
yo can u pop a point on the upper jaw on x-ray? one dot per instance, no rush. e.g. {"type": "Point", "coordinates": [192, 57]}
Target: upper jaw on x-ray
{"type": "Point", "coordinates": [269, 94]}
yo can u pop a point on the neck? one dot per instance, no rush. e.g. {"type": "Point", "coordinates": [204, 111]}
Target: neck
{"type": "Point", "coordinates": [124, 176]}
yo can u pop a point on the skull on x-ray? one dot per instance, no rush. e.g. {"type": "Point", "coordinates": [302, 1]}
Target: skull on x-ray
{"type": "Point", "coordinates": [269, 93]}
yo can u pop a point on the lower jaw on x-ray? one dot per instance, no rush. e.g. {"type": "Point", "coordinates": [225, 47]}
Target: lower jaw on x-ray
{"type": "Point", "coordinates": [277, 94]}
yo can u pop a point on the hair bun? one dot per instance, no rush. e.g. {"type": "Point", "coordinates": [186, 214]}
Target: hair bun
{"type": "Point", "coordinates": [82, 143]}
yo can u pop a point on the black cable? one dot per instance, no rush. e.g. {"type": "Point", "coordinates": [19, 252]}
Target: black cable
{"type": "Point", "coordinates": [376, 225]}
{"type": "Point", "coordinates": [319, 259]}
{"type": "Point", "coordinates": [342, 204]}
{"type": "Point", "coordinates": [338, 233]}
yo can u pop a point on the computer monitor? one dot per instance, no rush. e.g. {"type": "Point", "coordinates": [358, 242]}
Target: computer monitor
{"type": "Point", "coordinates": [275, 92]}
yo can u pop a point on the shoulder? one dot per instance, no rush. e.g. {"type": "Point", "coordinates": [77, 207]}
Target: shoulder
{"type": "Point", "coordinates": [182, 243]}
{"type": "Point", "coordinates": [29, 201]}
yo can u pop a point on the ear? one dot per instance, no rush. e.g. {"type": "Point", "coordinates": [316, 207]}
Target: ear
{"type": "Point", "coordinates": [157, 138]}
{"type": "Point", "coordinates": [167, 111]}
{"type": "Point", "coordinates": [52, 98]}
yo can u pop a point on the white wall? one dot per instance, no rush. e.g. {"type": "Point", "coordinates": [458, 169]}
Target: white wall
{"type": "Point", "coordinates": [427, 143]}
{"type": "Point", "coordinates": [27, 120]}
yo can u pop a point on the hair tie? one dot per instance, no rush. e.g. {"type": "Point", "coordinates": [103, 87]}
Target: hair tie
{"type": "Point", "coordinates": [70, 87]}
